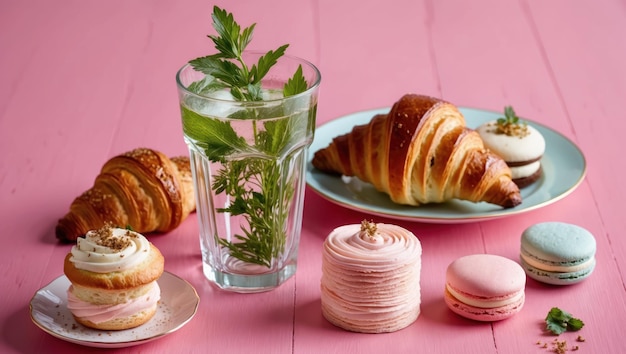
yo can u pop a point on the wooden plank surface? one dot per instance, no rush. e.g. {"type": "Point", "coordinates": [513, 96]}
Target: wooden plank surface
{"type": "Point", "coordinates": [83, 81]}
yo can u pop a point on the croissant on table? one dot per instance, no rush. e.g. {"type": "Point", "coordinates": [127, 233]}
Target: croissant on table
{"type": "Point", "coordinates": [142, 189]}
{"type": "Point", "coordinates": [421, 152]}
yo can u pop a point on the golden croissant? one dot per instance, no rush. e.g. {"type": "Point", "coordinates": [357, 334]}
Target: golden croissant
{"type": "Point", "coordinates": [421, 152]}
{"type": "Point", "coordinates": [142, 189]}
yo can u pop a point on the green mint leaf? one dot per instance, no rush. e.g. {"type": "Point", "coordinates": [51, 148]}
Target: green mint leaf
{"type": "Point", "coordinates": [555, 328]}
{"type": "Point", "coordinates": [574, 324]}
{"type": "Point", "coordinates": [237, 207]}
{"type": "Point", "coordinates": [226, 71]}
{"type": "Point", "coordinates": [297, 84]}
{"type": "Point", "coordinates": [275, 136]}
{"type": "Point", "coordinates": [237, 94]}
{"type": "Point", "coordinates": [509, 116]}
{"type": "Point", "coordinates": [509, 113]}
{"type": "Point", "coordinates": [559, 321]}
{"type": "Point", "coordinates": [556, 321]}
{"type": "Point", "coordinates": [227, 43]}
{"type": "Point", "coordinates": [205, 86]}
{"type": "Point", "coordinates": [254, 92]}
{"type": "Point", "coordinates": [265, 62]}
{"type": "Point", "coordinates": [246, 37]}
{"type": "Point", "coordinates": [218, 138]}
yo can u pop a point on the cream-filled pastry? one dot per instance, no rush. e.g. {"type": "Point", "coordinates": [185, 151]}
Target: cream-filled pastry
{"type": "Point", "coordinates": [371, 277]}
{"type": "Point", "coordinates": [113, 274]}
{"type": "Point", "coordinates": [519, 144]}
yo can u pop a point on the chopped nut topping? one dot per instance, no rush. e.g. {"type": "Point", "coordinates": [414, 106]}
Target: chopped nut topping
{"type": "Point", "coordinates": [519, 130]}
{"type": "Point", "coordinates": [105, 238]}
{"type": "Point", "coordinates": [369, 227]}
{"type": "Point", "coordinates": [560, 347]}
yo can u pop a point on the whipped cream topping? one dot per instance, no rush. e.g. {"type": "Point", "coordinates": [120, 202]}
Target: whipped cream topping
{"type": "Point", "coordinates": [103, 313]}
{"type": "Point", "coordinates": [387, 248]}
{"type": "Point", "coordinates": [513, 148]}
{"type": "Point", "coordinates": [109, 249]}
{"type": "Point", "coordinates": [370, 277]}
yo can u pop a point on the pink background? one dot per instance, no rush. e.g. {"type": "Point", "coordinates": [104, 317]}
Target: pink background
{"type": "Point", "coordinates": [82, 81]}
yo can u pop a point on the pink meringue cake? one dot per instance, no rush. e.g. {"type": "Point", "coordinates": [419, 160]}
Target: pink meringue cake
{"type": "Point", "coordinates": [371, 278]}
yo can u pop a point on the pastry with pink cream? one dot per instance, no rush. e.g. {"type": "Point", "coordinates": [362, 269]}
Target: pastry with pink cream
{"type": "Point", "coordinates": [113, 274]}
{"type": "Point", "coordinates": [371, 277]}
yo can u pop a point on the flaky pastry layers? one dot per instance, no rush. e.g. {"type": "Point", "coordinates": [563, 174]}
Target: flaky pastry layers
{"type": "Point", "coordinates": [421, 152]}
{"type": "Point", "coordinates": [142, 189]}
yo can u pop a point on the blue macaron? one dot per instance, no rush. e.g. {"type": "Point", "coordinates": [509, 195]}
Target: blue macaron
{"type": "Point", "coordinates": [557, 253]}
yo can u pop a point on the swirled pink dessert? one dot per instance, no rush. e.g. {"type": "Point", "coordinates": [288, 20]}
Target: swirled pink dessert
{"type": "Point", "coordinates": [371, 277]}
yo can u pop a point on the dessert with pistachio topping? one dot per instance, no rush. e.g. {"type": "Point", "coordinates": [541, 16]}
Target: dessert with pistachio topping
{"type": "Point", "coordinates": [519, 144]}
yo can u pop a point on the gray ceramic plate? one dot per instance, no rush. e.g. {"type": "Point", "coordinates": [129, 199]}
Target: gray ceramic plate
{"type": "Point", "coordinates": [563, 165]}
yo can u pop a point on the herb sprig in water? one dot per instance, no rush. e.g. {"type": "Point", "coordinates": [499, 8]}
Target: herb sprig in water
{"type": "Point", "coordinates": [264, 206]}
{"type": "Point", "coordinates": [228, 67]}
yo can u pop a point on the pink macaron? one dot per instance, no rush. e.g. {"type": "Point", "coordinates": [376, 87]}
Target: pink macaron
{"type": "Point", "coordinates": [485, 287]}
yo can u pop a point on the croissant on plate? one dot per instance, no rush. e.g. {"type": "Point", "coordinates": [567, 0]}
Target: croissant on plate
{"type": "Point", "coordinates": [421, 152]}
{"type": "Point", "coordinates": [142, 189]}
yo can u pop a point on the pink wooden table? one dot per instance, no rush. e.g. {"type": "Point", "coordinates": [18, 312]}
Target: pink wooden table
{"type": "Point", "coordinates": [82, 81]}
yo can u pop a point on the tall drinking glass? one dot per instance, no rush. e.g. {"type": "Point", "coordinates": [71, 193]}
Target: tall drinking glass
{"type": "Point", "coordinates": [248, 160]}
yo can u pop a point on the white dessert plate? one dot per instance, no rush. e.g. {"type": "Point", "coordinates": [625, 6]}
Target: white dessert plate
{"type": "Point", "coordinates": [178, 304]}
{"type": "Point", "coordinates": [563, 164]}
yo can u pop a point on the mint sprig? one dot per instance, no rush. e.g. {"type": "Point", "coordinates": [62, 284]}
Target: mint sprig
{"type": "Point", "coordinates": [217, 138]}
{"type": "Point", "coordinates": [264, 206]}
{"type": "Point", "coordinates": [228, 65]}
{"type": "Point", "coordinates": [559, 321]}
{"type": "Point", "coordinates": [231, 40]}
{"type": "Point", "coordinates": [509, 116]}
{"type": "Point", "coordinates": [297, 84]}
{"type": "Point", "coordinates": [511, 124]}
